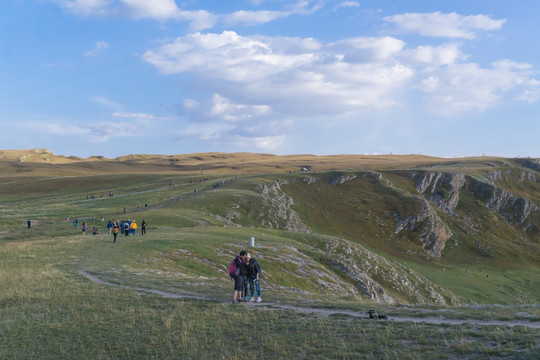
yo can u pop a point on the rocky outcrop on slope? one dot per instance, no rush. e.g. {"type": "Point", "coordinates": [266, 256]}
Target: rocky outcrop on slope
{"type": "Point", "coordinates": [533, 164]}
{"type": "Point", "coordinates": [441, 189]}
{"type": "Point", "coordinates": [433, 231]}
{"type": "Point", "coordinates": [277, 212]}
{"type": "Point", "coordinates": [381, 280]}
{"type": "Point", "coordinates": [342, 179]}
{"type": "Point", "coordinates": [515, 210]}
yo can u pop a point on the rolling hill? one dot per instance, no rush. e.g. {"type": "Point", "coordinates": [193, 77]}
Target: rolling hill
{"type": "Point", "coordinates": [396, 229]}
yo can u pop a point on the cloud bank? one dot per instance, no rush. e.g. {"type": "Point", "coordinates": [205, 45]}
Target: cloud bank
{"type": "Point", "coordinates": [256, 80]}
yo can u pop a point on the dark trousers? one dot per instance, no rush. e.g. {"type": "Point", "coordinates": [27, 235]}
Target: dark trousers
{"type": "Point", "coordinates": [143, 230]}
{"type": "Point", "coordinates": [114, 234]}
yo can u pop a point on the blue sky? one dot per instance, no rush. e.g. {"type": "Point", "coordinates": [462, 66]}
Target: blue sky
{"type": "Point", "coordinates": [117, 77]}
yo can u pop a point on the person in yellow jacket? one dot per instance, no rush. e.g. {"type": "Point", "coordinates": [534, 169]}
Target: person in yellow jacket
{"type": "Point", "coordinates": [133, 228]}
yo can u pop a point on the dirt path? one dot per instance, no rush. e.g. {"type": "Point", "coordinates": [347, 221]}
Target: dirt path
{"type": "Point", "coordinates": [433, 320]}
{"type": "Point", "coordinates": [164, 294]}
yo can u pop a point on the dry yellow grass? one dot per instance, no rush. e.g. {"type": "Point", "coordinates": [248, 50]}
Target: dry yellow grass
{"type": "Point", "coordinates": [44, 162]}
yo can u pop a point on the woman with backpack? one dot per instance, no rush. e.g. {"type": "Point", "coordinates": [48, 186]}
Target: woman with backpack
{"type": "Point", "coordinates": [115, 231]}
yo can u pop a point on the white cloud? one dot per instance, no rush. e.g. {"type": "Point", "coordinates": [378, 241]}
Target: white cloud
{"type": "Point", "coordinates": [450, 25]}
{"type": "Point", "coordinates": [258, 84]}
{"type": "Point", "coordinates": [298, 75]}
{"type": "Point", "coordinates": [98, 48]}
{"type": "Point", "coordinates": [86, 7]}
{"type": "Point", "coordinates": [461, 88]}
{"type": "Point", "coordinates": [107, 103]}
{"type": "Point", "coordinates": [435, 55]}
{"type": "Point", "coordinates": [97, 133]}
{"type": "Point", "coordinates": [133, 115]}
{"type": "Point", "coordinates": [168, 10]}
{"type": "Point", "coordinates": [223, 134]}
{"type": "Point", "coordinates": [257, 79]}
{"type": "Point", "coordinates": [156, 9]}
{"type": "Point", "coordinates": [253, 17]}
{"type": "Point", "coordinates": [347, 4]}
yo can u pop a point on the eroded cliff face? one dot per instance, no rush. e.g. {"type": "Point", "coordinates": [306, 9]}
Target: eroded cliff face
{"type": "Point", "coordinates": [514, 210]}
{"type": "Point", "coordinates": [277, 212]}
{"type": "Point", "coordinates": [445, 189]}
{"type": "Point", "coordinates": [435, 192]}
{"type": "Point", "coordinates": [432, 205]}
{"type": "Point", "coordinates": [381, 280]}
{"type": "Point", "coordinates": [433, 231]}
{"type": "Point", "coordinates": [442, 189]}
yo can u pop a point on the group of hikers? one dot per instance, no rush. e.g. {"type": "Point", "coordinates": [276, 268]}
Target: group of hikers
{"type": "Point", "coordinates": [124, 227]}
{"type": "Point", "coordinates": [245, 270]}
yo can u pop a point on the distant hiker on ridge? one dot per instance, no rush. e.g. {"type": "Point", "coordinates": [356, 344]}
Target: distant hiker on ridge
{"type": "Point", "coordinates": [143, 228]}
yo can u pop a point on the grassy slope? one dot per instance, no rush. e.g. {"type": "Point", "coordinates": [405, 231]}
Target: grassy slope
{"type": "Point", "coordinates": [48, 310]}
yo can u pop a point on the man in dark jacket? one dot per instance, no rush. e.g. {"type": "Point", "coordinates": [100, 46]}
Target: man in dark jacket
{"type": "Point", "coordinates": [240, 276]}
{"type": "Point", "coordinates": [253, 275]}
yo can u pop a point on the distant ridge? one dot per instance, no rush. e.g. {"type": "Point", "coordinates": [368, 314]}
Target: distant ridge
{"type": "Point", "coordinates": [44, 162]}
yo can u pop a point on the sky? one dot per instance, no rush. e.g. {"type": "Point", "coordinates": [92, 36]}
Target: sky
{"type": "Point", "coordinates": [446, 78]}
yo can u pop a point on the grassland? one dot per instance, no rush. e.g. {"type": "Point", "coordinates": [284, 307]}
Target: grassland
{"type": "Point", "coordinates": [166, 295]}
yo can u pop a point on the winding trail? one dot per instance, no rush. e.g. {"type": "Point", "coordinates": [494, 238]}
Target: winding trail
{"type": "Point", "coordinates": [165, 294]}
{"type": "Point", "coordinates": [432, 320]}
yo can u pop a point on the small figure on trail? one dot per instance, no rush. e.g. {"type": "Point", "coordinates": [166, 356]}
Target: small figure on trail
{"type": "Point", "coordinates": [102, 219]}
{"type": "Point", "coordinates": [76, 222]}
{"type": "Point", "coordinates": [237, 271]}
{"type": "Point", "coordinates": [109, 226]}
{"type": "Point", "coordinates": [138, 208]}
{"type": "Point", "coordinates": [133, 228]}
{"type": "Point", "coordinates": [143, 228]}
{"type": "Point", "coordinates": [95, 231]}
{"type": "Point", "coordinates": [126, 228]}
{"type": "Point", "coordinates": [122, 223]}
{"type": "Point", "coordinates": [253, 275]}
{"type": "Point", "coordinates": [84, 229]}
{"type": "Point", "coordinates": [125, 210]}
{"type": "Point", "coordinates": [115, 232]}
{"type": "Point", "coordinates": [145, 206]}
{"type": "Point", "coordinates": [94, 219]}
{"type": "Point", "coordinates": [67, 218]}
{"type": "Point", "coordinates": [29, 223]}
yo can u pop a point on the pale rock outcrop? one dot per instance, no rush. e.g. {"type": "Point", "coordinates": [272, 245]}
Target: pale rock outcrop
{"type": "Point", "coordinates": [278, 212]}
{"type": "Point", "coordinates": [434, 232]}
{"type": "Point", "coordinates": [377, 278]}
{"type": "Point", "coordinates": [342, 179]}
{"type": "Point", "coordinates": [441, 189]}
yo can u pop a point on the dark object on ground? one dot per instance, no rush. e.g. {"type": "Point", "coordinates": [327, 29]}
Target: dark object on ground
{"type": "Point", "coordinates": [373, 315]}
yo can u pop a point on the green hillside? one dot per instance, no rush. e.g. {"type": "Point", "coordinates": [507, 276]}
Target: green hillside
{"type": "Point", "coordinates": [439, 234]}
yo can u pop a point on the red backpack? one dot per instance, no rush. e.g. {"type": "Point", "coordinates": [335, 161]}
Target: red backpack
{"type": "Point", "coordinates": [233, 270]}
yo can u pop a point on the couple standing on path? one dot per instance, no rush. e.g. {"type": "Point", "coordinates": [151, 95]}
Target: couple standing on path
{"type": "Point", "coordinates": [244, 270]}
